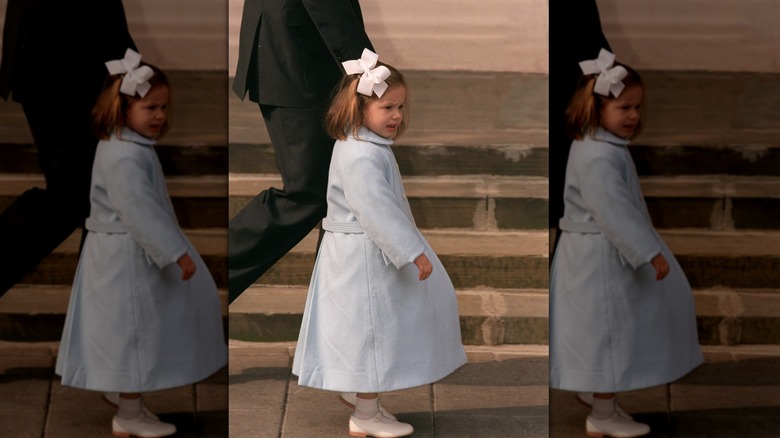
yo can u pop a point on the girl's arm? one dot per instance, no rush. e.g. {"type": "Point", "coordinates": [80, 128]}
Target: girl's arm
{"type": "Point", "coordinates": [424, 267]}
{"type": "Point", "coordinates": [606, 196]}
{"type": "Point", "coordinates": [374, 203]}
{"type": "Point", "coordinates": [661, 266]}
{"type": "Point", "coordinates": [143, 212]}
{"type": "Point", "coordinates": [187, 267]}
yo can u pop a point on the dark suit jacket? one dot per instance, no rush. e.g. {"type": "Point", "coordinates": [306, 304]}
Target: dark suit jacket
{"type": "Point", "coordinates": [290, 51]}
{"type": "Point", "coordinates": [575, 35]}
{"type": "Point", "coordinates": [58, 48]}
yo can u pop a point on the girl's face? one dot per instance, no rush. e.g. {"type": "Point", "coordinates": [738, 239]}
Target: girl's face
{"type": "Point", "coordinates": [620, 116]}
{"type": "Point", "coordinates": [384, 115]}
{"type": "Point", "coordinates": [146, 116]}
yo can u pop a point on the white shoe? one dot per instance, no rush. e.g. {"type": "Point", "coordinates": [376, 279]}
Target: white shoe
{"type": "Point", "coordinates": [350, 398]}
{"type": "Point", "coordinates": [112, 398]}
{"type": "Point", "coordinates": [141, 426]}
{"type": "Point", "coordinates": [378, 426]}
{"type": "Point", "coordinates": [586, 398]}
{"type": "Point", "coordinates": [615, 426]}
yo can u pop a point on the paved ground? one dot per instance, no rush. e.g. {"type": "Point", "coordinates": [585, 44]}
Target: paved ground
{"type": "Point", "coordinates": [735, 394]}
{"type": "Point", "coordinates": [501, 392]}
{"type": "Point", "coordinates": [33, 404]}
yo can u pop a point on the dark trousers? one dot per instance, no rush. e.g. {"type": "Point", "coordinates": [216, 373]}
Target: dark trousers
{"type": "Point", "coordinates": [39, 220]}
{"type": "Point", "coordinates": [276, 220]}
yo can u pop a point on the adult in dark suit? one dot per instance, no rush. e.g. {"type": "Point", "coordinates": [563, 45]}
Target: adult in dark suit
{"type": "Point", "coordinates": [575, 35]}
{"type": "Point", "coordinates": [290, 55]}
{"type": "Point", "coordinates": [53, 64]}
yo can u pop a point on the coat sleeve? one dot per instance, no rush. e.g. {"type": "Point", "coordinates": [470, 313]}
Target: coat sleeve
{"type": "Point", "coordinates": [607, 198]}
{"type": "Point", "coordinates": [112, 29]}
{"type": "Point", "coordinates": [144, 214]}
{"type": "Point", "coordinates": [376, 207]}
{"type": "Point", "coordinates": [250, 20]}
{"type": "Point", "coordinates": [340, 24]}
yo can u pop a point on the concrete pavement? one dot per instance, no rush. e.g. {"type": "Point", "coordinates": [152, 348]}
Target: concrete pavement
{"type": "Point", "coordinates": [734, 394]}
{"type": "Point", "coordinates": [501, 392]}
{"type": "Point", "coordinates": [33, 404]}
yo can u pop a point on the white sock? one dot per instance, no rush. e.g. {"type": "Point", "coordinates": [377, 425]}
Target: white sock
{"type": "Point", "coordinates": [602, 408]}
{"type": "Point", "coordinates": [129, 408]}
{"type": "Point", "coordinates": [366, 408]}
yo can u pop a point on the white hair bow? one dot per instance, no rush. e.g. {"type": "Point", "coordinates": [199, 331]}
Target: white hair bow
{"type": "Point", "coordinates": [136, 78]}
{"type": "Point", "coordinates": [610, 79]}
{"type": "Point", "coordinates": [373, 79]}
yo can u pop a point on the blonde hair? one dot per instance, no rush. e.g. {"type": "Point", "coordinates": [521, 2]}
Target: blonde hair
{"type": "Point", "coordinates": [345, 113]}
{"type": "Point", "coordinates": [584, 111]}
{"type": "Point", "coordinates": [109, 115]}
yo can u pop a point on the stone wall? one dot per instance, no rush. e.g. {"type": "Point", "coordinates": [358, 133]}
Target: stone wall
{"type": "Point", "coordinates": [706, 35]}
{"type": "Point", "coordinates": [488, 35]}
{"type": "Point", "coordinates": [176, 34]}
{"type": "Point", "coordinates": [457, 35]}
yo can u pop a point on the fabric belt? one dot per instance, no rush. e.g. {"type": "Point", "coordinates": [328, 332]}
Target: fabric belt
{"type": "Point", "coordinates": [105, 227]}
{"type": "Point", "coordinates": [349, 228]}
{"type": "Point", "coordinates": [342, 227]}
{"type": "Point", "coordinates": [578, 227]}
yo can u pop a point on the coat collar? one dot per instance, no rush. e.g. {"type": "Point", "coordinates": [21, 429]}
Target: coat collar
{"type": "Point", "coordinates": [366, 134]}
{"type": "Point", "coordinates": [602, 134]}
{"type": "Point", "coordinates": [128, 134]}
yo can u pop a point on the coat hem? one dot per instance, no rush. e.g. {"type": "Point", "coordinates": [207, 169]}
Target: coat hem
{"type": "Point", "coordinates": [648, 383]}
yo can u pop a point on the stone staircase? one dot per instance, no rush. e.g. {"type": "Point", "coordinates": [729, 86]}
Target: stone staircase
{"type": "Point", "coordinates": [709, 162]}
{"type": "Point", "coordinates": [194, 158]}
{"type": "Point", "coordinates": [474, 163]}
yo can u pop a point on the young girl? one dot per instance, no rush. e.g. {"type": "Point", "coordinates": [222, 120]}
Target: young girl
{"type": "Point", "coordinates": [381, 313]}
{"type": "Point", "coordinates": [622, 312]}
{"type": "Point", "coordinates": [144, 313]}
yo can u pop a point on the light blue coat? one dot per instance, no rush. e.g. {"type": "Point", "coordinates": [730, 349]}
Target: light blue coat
{"type": "Point", "coordinates": [369, 324]}
{"type": "Point", "coordinates": [613, 327]}
{"type": "Point", "coordinates": [133, 325]}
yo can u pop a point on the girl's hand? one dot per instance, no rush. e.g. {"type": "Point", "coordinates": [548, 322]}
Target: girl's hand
{"type": "Point", "coordinates": [661, 267]}
{"type": "Point", "coordinates": [424, 266]}
{"type": "Point", "coordinates": [187, 267]}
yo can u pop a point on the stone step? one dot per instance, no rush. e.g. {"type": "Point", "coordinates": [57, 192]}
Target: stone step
{"type": "Point", "coordinates": [744, 153]}
{"type": "Point", "coordinates": [709, 123]}
{"type": "Point", "coordinates": [478, 353]}
{"type": "Point", "coordinates": [518, 316]}
{"type": "Point", "coordinates": [710, 109]}
{"type": "Point", "coordinates": [518, 260]}
{"type": "Point", "coordinates": [199, 201]}
{"type": "Point", "coordinates": [487, 316]}
{"type": "Point", "coordinates": [501, 260]}
{"type": "Point", "coordinates": [505, 133]}
{"type": "Point", "coordinates": [466, 202]}
{"type": "Point", "coordinates": [467, 108]}
{"type": "Point", "coordinates": [193, 159]}
{"type": "Point", "coordinates": [732, 259]}
{"type": "Point", "coordinates": [198, 118]}
{"type": "Point", "coordinates": [59, 267]}
{"type": "Point", "coordinates": [437, 154]}
{"type": "Point", "coordinates": [36, 313]}
{"type": "Point", "coordinates": [738, 316]}
{"type": "Point", "coordinates": [716, 202]}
